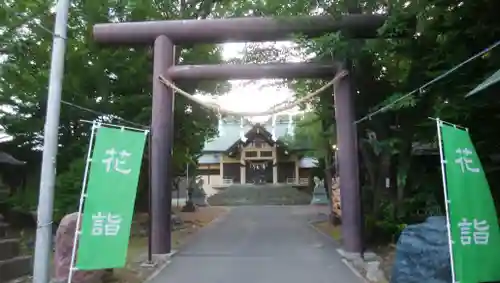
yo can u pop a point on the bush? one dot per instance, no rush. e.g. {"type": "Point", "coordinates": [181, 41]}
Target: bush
{"type": "Point", "coordinates": [68, 189]}
{"type": "Point", "coordinates": [381, 231]}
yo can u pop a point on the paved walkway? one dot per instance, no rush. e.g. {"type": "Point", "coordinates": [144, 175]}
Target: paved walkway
{"type": "Point", "coordinates": [259, 244]}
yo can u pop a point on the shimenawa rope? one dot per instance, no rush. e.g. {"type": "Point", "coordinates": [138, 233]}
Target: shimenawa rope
{"type": "Point", "coordinates": [271, 111]}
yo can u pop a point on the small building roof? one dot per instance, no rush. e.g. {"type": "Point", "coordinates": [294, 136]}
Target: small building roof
{"type": "Point", "coordinates": [209, 158]}
{"type": "Point", "coordinates": [6, 158]}
{"type": "Point", "coordinates": [490, 81]}
{"type": "Point", "coordinates": [230, 133]}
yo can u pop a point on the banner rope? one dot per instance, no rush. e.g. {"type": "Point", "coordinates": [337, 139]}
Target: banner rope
{"type": "Point", "coordinates": [421, 89]}
{"type": "Point", "coordinates": [114, 117]}
{"type": "Point", "coordinates": [104, 114]}
{"type": "Point", "coordinates": [271, 111]}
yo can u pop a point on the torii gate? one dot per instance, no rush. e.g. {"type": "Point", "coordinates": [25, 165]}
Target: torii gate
{"type": "Point", "coordinates": [164, 35]}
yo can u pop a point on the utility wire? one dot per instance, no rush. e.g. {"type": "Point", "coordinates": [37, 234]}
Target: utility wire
{"type": "Point", "coordinates": [421, 89]}
{"type": "Point", "coordinates": [104, 114]}
{"type": "Point", "coordinates": [13, 13]}
{"type": "Point", "coordinates": [97, 113]}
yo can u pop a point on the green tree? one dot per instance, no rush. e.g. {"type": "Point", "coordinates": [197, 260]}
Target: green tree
{"type": "Point", "coordinates": [113, 81]}
{"type": "Point", "coordinates": [117, 81]}
{"type": "Point", "coordinates": [446, 33]}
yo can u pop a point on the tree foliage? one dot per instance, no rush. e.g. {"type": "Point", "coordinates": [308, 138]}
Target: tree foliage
{"type": "Point", "coordinates": [385, 69]}
{"type": "Point", "coordinates": [310, 133]}
{"type": "Point", "coordinates": [117, 81]}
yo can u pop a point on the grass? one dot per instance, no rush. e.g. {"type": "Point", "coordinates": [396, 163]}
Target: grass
{"type": "Point", "coordinates": [387, 252]}
{"type": "Point", "coordinates": [329, 229]}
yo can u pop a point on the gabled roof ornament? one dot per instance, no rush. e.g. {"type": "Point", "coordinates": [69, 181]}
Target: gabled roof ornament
{"type": "Point", "coordinates": [242, 132]}
{"type": "Point", "coordinates": [273, 131]}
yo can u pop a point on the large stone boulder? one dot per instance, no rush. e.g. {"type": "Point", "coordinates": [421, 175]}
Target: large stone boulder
{"type": "Point", "coordinates": [62, 257]}
{"type": "Point", "coordinates": [422, 253]}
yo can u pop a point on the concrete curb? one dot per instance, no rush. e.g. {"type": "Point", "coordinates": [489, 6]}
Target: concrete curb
{"type": "Point", "coordinates": [163, 266]}
{"type": "Point", "coordinates": [355, 271]}
{"type": "Point", "coordinates": [349, 265]}
{"type": "Point", "coordinates": [174, 252]}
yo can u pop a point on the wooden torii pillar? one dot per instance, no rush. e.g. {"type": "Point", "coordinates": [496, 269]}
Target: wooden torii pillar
{"type": "Point", "coordinates": [164, 35]}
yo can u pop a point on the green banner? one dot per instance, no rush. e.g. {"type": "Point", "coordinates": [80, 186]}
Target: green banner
{"type": "Point", "coordinates": [473, 220]}
{"type": "Point", "coordinates": [109, 205]}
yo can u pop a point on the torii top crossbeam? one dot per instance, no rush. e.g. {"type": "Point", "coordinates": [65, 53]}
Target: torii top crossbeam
{"type": "Point", "coordinates": [236, 29]}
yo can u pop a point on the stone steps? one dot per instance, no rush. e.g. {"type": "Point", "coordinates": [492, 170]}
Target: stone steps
{"type": "Point", "coordinates": [9, 248]}
{"type": "Point", "coordinates": [4, 193]}
{"type": "Point", "coordinates": [3, 230]}
{"type": "Point", "coordinates": [12, 264]}
{"type": "Point", "coordinates": [15, 267]}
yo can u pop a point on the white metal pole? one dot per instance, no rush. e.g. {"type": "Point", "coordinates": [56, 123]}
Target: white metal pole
{"type": "Point", "coordinates": [43, 244]}
{"type": "Point", "coordinates": [80, 206]}
{"type": "Point", "coordinates": [188, 184]}
{"type": "Point", "coordinates": [242, 132]}
{"type": "Point", "coordinates": [446, 201]}
{"type": "Point", "coordinates": [220, 127]}
{"type": "Point", "coordinates": [273, 124]}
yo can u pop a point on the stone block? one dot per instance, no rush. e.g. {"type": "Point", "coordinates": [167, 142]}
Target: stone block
{"type": "Point", "coordinates": [350, 256]}
{"type": "Point", "coordinates": [370, 256]}
{"type": "Point", "coordinates": [200, 201]}
{"type": "Point", "coordinates": [176, 220]}
{"type": "Point", "coordinates": [9, 248]}
{"type": "Point", "coordinates": [373, 271]}
{"type": "Point", "coordinates": [62, 256]}
{"type": "Point", "coordinates": [422, 253]}
{"type": "Point", "coordinates": [3, 230]}
{"type": "Point", "coordinates": [15, 268]}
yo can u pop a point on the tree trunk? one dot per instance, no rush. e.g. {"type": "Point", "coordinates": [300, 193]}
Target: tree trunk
{"type": "Point", "coordinates": [369, 162]}
{"type": "Point", "coordinates": [325, 125]}
{"type": "Point", "coordinates": [383, 172]}
{"type": "Point", "coordinates": [403, 170]}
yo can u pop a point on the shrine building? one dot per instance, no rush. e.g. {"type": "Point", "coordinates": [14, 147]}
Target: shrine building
{"type": "Point", "coordinates": [255, 153]}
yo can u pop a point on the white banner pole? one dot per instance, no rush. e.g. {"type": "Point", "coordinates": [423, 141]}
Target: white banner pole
{"type": "Point", "coordinates": [446, 200]}
{"type": "Point", "coordinates": [82, 199]}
